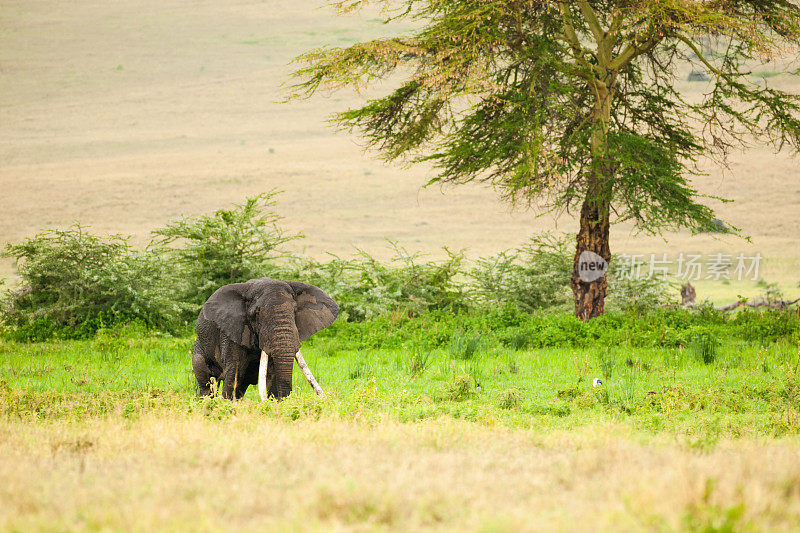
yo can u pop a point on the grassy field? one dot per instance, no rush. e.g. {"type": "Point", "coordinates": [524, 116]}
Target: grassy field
{"type": "Point", "coordinates": [108, 434]}
{"type": "Point", "coordinates": [126, 115]}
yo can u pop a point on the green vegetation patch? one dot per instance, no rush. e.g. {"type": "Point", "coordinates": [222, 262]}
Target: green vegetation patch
{"type": "Point", "coordinates": [747, 390]}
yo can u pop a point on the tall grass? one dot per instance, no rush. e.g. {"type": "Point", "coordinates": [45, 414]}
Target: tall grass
{"type": "Point", "coordinates": [747, 389]}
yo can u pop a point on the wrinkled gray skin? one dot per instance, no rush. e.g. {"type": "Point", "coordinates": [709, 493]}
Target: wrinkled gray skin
{"type": "Point", "coordinates": [240, 320]}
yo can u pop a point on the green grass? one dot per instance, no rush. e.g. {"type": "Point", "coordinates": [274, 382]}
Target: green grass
{"type": "Point", "coordinates": [109, 434]}
{"type": "Point", "coordinates": [744, 390]}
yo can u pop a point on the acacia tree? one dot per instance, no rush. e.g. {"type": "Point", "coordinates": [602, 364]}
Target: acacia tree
{"type": "Point", "coordinates": [571, 105]}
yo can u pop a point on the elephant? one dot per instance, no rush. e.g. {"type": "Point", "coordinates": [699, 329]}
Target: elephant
{"type": "Point", "coordinates": [250, 333]}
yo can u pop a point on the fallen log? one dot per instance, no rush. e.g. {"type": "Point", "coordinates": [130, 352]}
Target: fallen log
{"type": "Point", "coordinates": [777, 304]}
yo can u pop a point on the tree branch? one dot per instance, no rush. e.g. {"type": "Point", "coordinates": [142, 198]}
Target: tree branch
{"type": "Point", "coordinates": [720, 74]}
{"type": "Point", "coordinates": [701, 57]}
{"type": "Point", "coordinates": [594, 23]}
{"type": "Point", "coordinates": [571, 37]}
{"type": "Point", "coordinates": [640, 45]}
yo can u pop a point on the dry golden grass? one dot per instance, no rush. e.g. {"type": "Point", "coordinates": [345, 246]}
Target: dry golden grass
{"type": "Point", "coordinates": [125, 115]}
{"type": "Point", "coordinates": [159, 473]}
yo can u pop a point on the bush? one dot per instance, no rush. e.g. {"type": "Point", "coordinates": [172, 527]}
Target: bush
{"type": "Point", "coordinates": [460, 389]}
{"type": "Point", "coordinates": [467, 335]}
{"type": "Point", "coordinates": [510, 399]}
{"type": "Point", "coordinates": [228, 246]}
{"type": "Point", "coordinates": [537, 276]}
{"type": "Point", "coordinates": [765, 326]}
{"type": "Point", "coordinates": [74, 283]}
{"type": "Point", "coordinates": [534, 276]}
{"type": "Point", "coordinates": [365, 288]}
{"type": "Point", "coordinates": [638, 295]}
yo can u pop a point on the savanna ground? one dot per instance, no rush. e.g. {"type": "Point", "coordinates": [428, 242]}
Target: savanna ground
{"type": "Point", "coordinates": [108, 434]}
{"type": "Point", "coordinates": [125, 115]}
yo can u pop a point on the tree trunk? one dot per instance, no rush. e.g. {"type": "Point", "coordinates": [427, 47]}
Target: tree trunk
{"type": "Point", "coordinates": [593, 252]}
{"type": "Point", "coordinates": [592, 256]}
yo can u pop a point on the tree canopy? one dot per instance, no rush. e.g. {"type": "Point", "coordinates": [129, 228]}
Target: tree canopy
{"type": "Point", "coordinates": [572, 105]}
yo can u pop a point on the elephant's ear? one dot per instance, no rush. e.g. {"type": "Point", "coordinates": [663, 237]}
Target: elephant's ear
{"type": "Point", "coordinates": [227, 308]}
{"type": "Point", "coordinates": [315, 309]}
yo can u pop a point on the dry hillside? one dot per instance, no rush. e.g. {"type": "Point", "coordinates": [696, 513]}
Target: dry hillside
{"type": "Point", "coordinates": [123, 115]}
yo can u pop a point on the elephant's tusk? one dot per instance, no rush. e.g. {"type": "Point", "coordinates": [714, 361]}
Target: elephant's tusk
{"type": "Point", "coordinates": [262, 376]}
{"type": "Point", "coordinates": [307, 373]}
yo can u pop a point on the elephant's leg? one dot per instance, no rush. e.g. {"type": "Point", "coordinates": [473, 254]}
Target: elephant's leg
{"type": "Point", "coordinates": [203, 374]}
{"type": "Point", "coordinates": [234, 375]}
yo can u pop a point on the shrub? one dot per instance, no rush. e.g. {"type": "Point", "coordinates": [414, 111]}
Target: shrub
{"type": "Point", "coordinates": [365, 288]}
{"type": "Point", "coordinates": [537, 276]}
{"type": "Point", "coordinates": [534, 276]}
{"type": "Point", "coordinates": [461, 388]}
{"type": "Point", "coordinates": [228, 246]}
{"type": "Point", "coordinates": [509, 399]}
{"type": "Point", "coordinates": [517, 338]}
{"type": "Point", "coordinates": [637, 295]}
{"type": "Point", "coordinates": [772, 291]}
{"type": "Point", "coordinates": [74, 283]}
{"type": "Point", "coordinates": [765, 326]}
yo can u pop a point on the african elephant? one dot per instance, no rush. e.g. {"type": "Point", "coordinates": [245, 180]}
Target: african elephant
{"type": "Point", "coordinates": [261, 316]}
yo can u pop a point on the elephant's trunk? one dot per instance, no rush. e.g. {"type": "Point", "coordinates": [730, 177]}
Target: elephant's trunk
{"type": "Point", "coordinates": [282, 381]}
{"type": "Point", "coordinates": [301, 362]}
{"type": "Point", "coordinates": [279, 339]}
{"type": "Point", "coordinates": [284, 349]}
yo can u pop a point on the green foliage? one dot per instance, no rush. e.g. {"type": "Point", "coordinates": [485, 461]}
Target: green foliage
{"type": "Point", "coordinates": [365, 288]}
{"type": "Point", "coordinates": [510, 399]}
{"type": "Point", "coordinates": [636, 294]}
{"type": "Point", "coordinates": [539, 98]}
{"type": "Point", "coordinates": [466, 345]}
{"type": "Point", "coordinates": [228, 246]}
{"type": "Point", "coordinates": [772, 291]}
{"type": "Point", "coordinates": [534, 276]}
{"type": "Point", "coordinates": [570, 106]}
{"type": "Point", "coordinates": [74, 283]}
{"type": "Point", "coordinates": [765, 327]}
{"type": "Point", "coordinates": [468, 335]}
{"type": "Point", "coordinates": [460, 389]}
{"type": "Point", "coordinates": [419, 362]}
{"type": "Point", "coordinates": [704, 346]}
{"type": "Point", "coordinates": [129, 372]}
{"type": "Point", "coordinates": [713, 226]}
{"type": "Point", "coordinates": [607, 363]}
